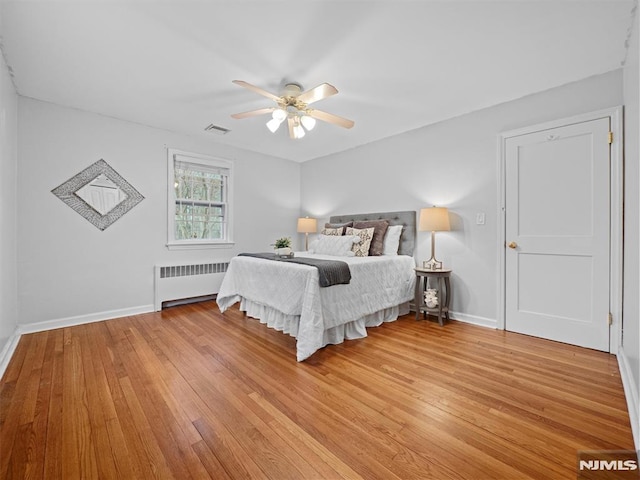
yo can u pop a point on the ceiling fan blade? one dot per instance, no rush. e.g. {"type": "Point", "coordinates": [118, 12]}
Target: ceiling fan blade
{"type": "Point", "coordinates": [257, 90]}
{"type": "Point", "coordinates": [253, 113]}
{"type": "Point", "coordinates": [317, 93]}
{"type": "Point", "coordinates": [331, 118]}
{"type": "Point", "coordinates": [291, 125]}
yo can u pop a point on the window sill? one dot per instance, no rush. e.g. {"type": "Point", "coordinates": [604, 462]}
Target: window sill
{"type": "Point", "coordinates": [198, 245]}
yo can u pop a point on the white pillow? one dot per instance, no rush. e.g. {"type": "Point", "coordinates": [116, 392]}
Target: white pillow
{"type": "Point", "coordinates": [392, 240]}
{"type": "Point", "coordinates": [333, 245]}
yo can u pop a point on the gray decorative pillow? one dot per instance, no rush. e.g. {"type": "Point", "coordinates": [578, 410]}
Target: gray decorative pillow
{"type": "Point", "coordinates": [332, 231]}
{"type": "Point", "coordinates": [339, 225]}
{"type": "Point", "coordinates": [366, 235]}
{"type": "Point", "coordinates": [380, 229]}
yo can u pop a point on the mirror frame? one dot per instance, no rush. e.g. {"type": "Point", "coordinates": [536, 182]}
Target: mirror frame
{"type": "Point", "coordinates": [67, 193]}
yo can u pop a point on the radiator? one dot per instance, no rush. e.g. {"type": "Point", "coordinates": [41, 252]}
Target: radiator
{"type": "Point", "coordinates": [177, 282]}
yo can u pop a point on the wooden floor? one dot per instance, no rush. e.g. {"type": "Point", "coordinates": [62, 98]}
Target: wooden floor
{"type": "Point", "coordinates": [189, 393]}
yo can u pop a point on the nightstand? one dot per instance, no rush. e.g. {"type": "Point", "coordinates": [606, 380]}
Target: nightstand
{"type": "Point", "coordinates": [427, 278]}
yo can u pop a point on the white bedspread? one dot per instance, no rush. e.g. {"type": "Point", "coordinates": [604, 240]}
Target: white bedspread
{"type": "Point", "coordinates": [287, 296]}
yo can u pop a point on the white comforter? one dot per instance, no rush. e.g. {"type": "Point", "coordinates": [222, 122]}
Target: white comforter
{"type": "Point", "coordinates": [287, 296]}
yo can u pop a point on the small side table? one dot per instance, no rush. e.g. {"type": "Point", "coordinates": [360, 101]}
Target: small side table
{"type": "Point", "coordinates": [443, 285]}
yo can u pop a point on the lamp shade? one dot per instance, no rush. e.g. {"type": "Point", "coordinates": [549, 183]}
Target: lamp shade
{"type": "Point", "coordinates": [307, 225]}
{"type": "Point", "coordinates": [279, 114]}
{"type": "Point", "coordinates": [298, 131]}
{"type": "Point", "coordinates": [273, 125]}
{"type": "Point", "coordinates": [434, 219]}
{"type": "Point", "coordinates": [308, 122]}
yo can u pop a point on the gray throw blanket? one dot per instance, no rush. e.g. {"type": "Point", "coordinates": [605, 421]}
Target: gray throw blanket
{"type": "Point", "coordinates": [330, 272]}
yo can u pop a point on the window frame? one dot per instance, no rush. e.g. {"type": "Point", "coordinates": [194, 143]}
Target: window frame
{"type": "Point", "coordinates": [209, 161]}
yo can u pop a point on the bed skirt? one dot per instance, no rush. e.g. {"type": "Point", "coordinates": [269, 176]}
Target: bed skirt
{"type": "Point", "coordinates": [288, 324]}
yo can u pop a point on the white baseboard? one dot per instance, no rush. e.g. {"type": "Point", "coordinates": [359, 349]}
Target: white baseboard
{"type": "Point", "coordinates": [631, 394]}
{"type": "Point", "coordinates": [82, 319]}
{"type": "Point", "coordinates": [474, 319]}
{"type": "Point", "coordinates": [8, 350]}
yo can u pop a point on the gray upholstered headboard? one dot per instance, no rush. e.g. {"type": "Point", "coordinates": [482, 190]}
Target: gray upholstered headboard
{"type": "Point", "coordinates": [407, 219]}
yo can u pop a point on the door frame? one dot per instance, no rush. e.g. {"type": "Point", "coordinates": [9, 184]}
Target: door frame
{"type": "Point", "coordinates": [616, 169]}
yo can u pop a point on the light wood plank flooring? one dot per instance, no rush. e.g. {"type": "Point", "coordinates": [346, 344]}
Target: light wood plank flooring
{"type": "Point", "coordinates": [190, 393]}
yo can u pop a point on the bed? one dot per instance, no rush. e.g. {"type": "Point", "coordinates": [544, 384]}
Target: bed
{"type": "Point", "coordinates": [288, 297]}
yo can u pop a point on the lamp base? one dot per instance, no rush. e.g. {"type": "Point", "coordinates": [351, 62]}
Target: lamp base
{"type": "Point", "coordinates": [432, 264]}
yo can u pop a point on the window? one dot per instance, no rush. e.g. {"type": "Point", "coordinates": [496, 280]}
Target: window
{"type": "Point", "coordinates": [199, 201]}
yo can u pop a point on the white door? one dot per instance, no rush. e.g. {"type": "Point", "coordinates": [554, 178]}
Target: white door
{"type": "Point", "coordinates": [557, 234]}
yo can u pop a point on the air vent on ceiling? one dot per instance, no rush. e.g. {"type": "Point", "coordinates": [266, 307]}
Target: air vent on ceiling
{"type": "Point", "coordinates": [216, 129]}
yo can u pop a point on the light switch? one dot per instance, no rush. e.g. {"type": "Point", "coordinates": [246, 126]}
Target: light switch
{"type": "Point", "coordinates": [480, 218]}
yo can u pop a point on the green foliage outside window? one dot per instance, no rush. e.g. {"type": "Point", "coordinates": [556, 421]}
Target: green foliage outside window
{"type": "Point", "coordinates": [200, 204]}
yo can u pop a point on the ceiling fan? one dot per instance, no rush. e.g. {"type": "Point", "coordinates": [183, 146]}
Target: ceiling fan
{"type": "Point", "coordinates": [293, 106]}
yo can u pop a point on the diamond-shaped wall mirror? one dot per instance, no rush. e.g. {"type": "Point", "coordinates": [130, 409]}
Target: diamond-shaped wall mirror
{"type": "Point", "coordinates": [99, 194]}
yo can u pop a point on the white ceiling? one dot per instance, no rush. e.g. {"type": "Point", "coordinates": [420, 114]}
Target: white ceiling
{"type": "Point", "coordinates": [398, 65]}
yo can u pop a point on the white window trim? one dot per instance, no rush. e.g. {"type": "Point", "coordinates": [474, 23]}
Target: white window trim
{"type": "Point", "coordinates": [198, 244]}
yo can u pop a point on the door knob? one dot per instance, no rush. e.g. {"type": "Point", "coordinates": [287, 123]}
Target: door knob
{"type": "Point", "coordinates": [513, 245]}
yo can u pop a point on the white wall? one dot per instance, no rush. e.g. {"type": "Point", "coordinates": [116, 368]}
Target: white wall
{"type": "Point", "coordinates": [69, 268]}
{"type": "Point", "coordinates": [453, 164]}
{"type": "Point", "coordinates": [630, 321]}
{"type": "Point", "coordinates": [8, 200]}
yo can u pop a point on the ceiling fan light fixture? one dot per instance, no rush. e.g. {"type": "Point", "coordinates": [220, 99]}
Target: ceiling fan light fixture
{"type": "Point", "coordinates": [308, 122]}
{"type": "Point", "coordinates": [292, 105]}
{"type": "Point", "coordinates": [273, 125]}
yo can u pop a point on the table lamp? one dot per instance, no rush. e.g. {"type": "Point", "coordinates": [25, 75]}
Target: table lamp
{"type": "Point", "coordinates": [307, 225]}
{"type": "Point", "coordinates": [434, 219]}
